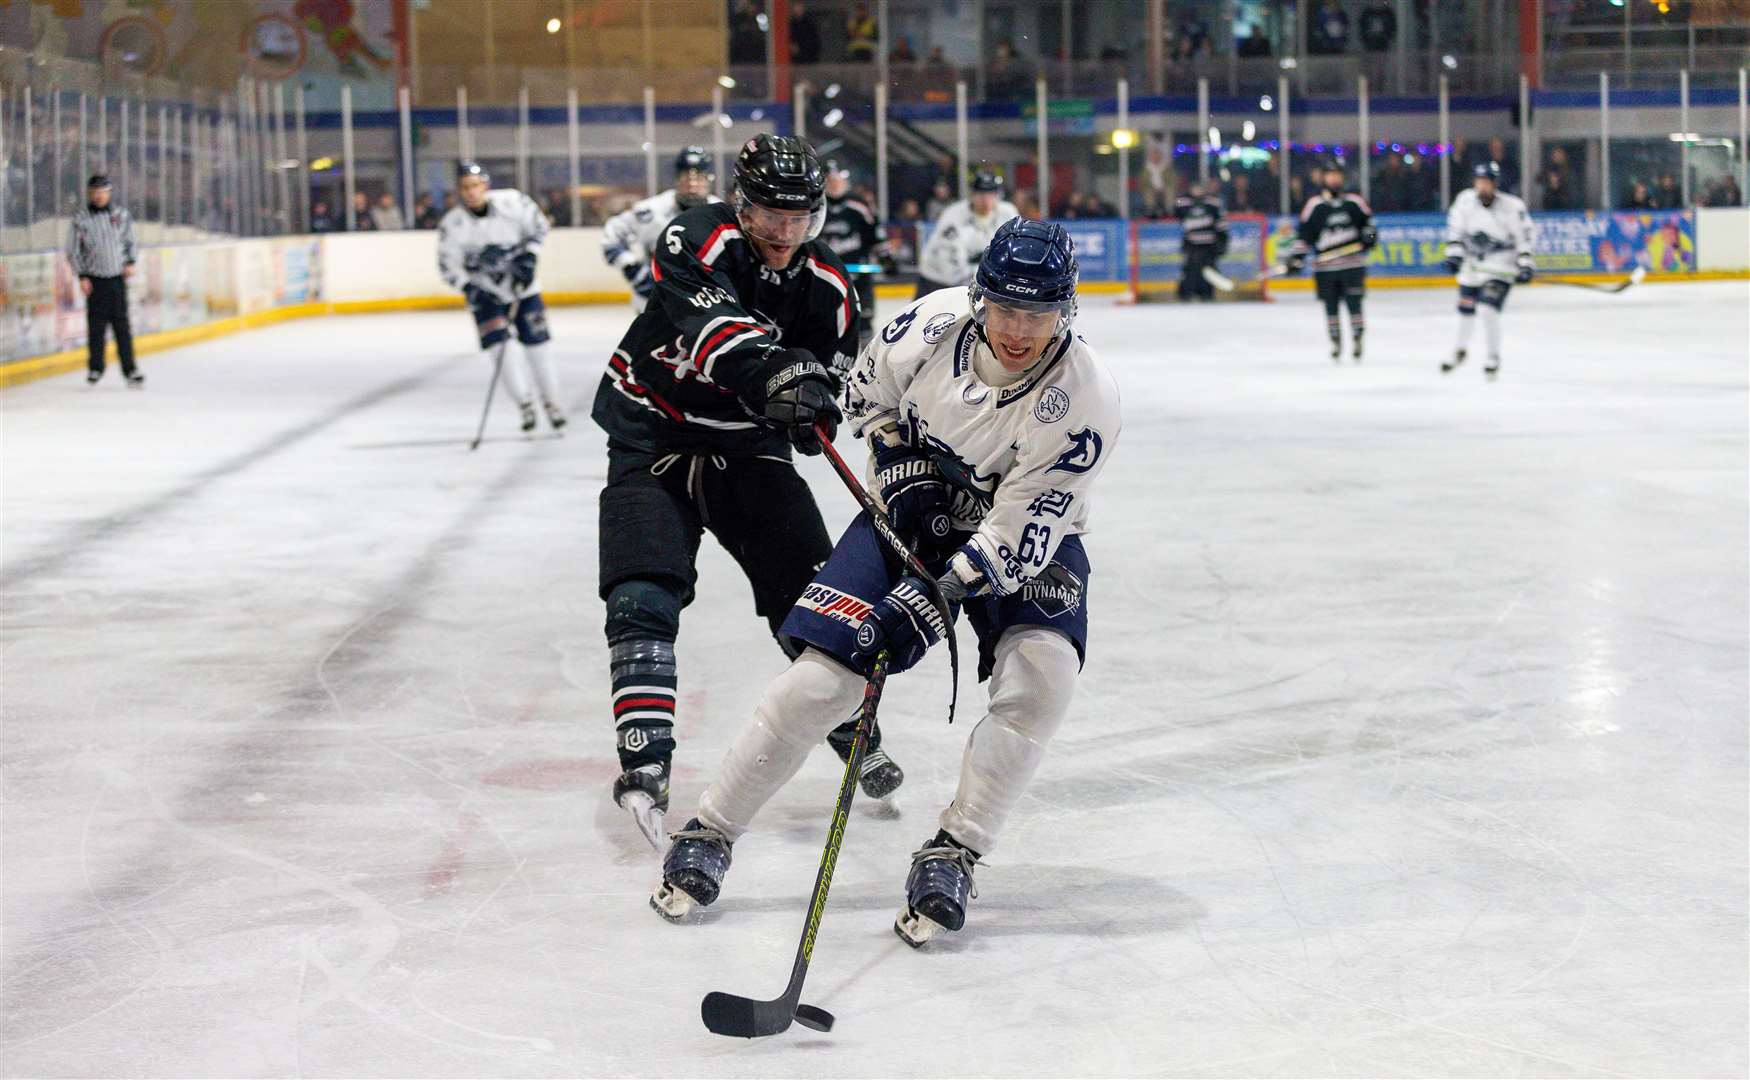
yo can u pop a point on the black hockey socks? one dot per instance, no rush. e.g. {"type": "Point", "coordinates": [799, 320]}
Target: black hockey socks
{"type": "Point", "coordinates": [643, 671]}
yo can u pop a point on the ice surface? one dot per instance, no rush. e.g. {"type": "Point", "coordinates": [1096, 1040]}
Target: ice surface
{"type": "Point", "coordinates": [1412, 740]}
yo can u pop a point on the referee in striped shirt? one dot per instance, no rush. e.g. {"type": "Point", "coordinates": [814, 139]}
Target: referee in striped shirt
{"type": "Point", "coordinates": [100, 247]}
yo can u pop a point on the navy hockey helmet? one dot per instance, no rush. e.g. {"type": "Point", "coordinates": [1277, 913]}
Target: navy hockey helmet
{"type": "Point", "coordinates": [1029, 266]}
{"type": "Point", "coordinates": [1486, 170]}
{"type": "Point", "coordinates": [779, 172]}
{"type": "Point", "coordinates": [469, 167]}
{"type": "Point", "coordinates": [694, 158]}
{"type": "Point", "coordinates": [98, 180]}
{"type": "Point", "coordinates": [986, 180]}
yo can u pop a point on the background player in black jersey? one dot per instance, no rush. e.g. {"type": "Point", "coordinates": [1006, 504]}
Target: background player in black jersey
{"type": "Point", "coordinates": [855, 234]}
{"type": "Point", "coordinates": [1336, 229]}
{"type": "Point", "coordinates": [1203, 223]}
{"type": "Point", "coordinates": [726, 370]}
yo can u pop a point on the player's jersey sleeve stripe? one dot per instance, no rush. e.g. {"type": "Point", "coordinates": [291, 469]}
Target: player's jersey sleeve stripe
{"type": "Point", "coordinates": [833, 277]}
{"type": "Point", "coordinates": [715, 243]}
{"type": "Point", "coordinates": [1306, 211]}
{"type": "Point", "coordinates": [719, 336]}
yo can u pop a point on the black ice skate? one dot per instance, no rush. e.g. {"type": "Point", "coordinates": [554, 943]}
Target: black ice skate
{"type": "Point", "coordinates": [936, 890]}
{"type": "Point", "coordinates": [1492, 368]}
{"type": "Point", "coordinates": [1355, 347]}
{"type": "Point", "coordinates": [1336, 349]}
{"type": "Point", "coordinates": [555, 417]}
{"type": "Point", "coordinates": [528, 416]}
{"type": "Point", "coordinates": [91, 377]}
{"type": "Point", "coordinates": [880, 776]}
{"type": "Point", "coordinates": [1457, 359]}
{"type": "Point", "coordinates": [136, 381]}
{"type": "Point", "coordinates": [692, 872]}
{"type": "Point", "coordinates": [643, 793]}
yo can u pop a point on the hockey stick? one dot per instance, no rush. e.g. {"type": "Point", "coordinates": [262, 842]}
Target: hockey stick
{"type": "Point", "coordinates": [745, 1018]}
{"type": "Point", "coordinates": [497, 366]}
{"type": "Point", "coordinates": [884, 526]}
{"type": "Point", "coordinates": [1215, 277]}
{"type": "Point", "coordinates": [1634, 278]}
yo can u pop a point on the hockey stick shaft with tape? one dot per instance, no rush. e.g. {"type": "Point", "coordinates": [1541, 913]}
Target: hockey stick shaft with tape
{"type": "Point", "coordinates": [497, 368]}
{"type": "Point", "coordinates": [746, 1018]}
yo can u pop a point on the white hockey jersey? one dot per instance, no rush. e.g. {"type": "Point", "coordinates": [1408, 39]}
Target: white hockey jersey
{"type": "Point", "coordinates": [629, 237]}
{"type": "Point", "coordinates": [956, 243]}
{"type": "Point", "coordinates": [512, 222]}
{"type": "Point", "coordinates": [1491, 237]}
{"type": "Point", "coordinates": [1022, 458]}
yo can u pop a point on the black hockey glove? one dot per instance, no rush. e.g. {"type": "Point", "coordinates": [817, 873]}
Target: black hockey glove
{"type": "Point", "coordinates": [889, 265]}
{"type": "Point", "coordinates": [1295, 264]}
{"type": "Point", "coordinates": [915, 494]}
{"type": "Point", "coordinates": [1454, 258]}
{"type": "Point", "coordinates": [795, 393]}
{"type": "Point", "coordinates": [493, 258]}
{"type": "Point", "coordinates": [476, 296]}
{"type": "Point", "coordinates": [1526, 269]}
{"type": "Point", "coordinates": [522, 269]}
{"type": "Point", "coordinates": [1369, 237]}
{"type": "Point", "coordinates": [905, 622]}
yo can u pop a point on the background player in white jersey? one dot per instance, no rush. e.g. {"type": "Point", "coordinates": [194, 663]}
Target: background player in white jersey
{"type": "Point", "coordinates": [988, 420]}
{"type": "Point", "coordinates": [629, 237]}
{"type": "Point", "coordinates": [1488, 245]}
{"type": "Point", "coordinates": [488, 245]}
{"type": "Point", "coordinates": [961, 234]}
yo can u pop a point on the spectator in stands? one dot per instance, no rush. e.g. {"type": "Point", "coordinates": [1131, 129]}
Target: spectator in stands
{"type": "Point", "coordinates": [804, 34]}
{"type": "Point", "coordinates": [1391, 185]}
{"type": "Point", "coordinates": [1006, 78]}
{"type": "Point", "coordinates": [939, 74]}
{"type": "Point", "coordinates": [1509, 165]}
{"type": "Point", "coordinates": [1329, 33]}
{"type": "Point", "coordinates": [747, 41]}
{"type": "Point", "coordinates": [1241, 199]}
{"type": "Point", "coordinates": [1269, 186]}
{"type": "Point", "coordinates": [861, 35]}
{"type": "Point", "coordinates": [425, 212]}
{"type": "Point", "coordinates": [1669, 195]}
{"type": "Point", "coordinates": [321, 219]}
{"type": "Point", "coordinates": [1379, 26]}
{"type": "Point", "coordinates": [1557, 180]}
{"type": "Point", "coordinates": [901, 53]}
{"type": "Point", "coordinates": [1192, 38]}
{"type": "Point", "coordinates": [1252, 42]}
{"type": "Point", "coordinates": [1640, 198]}
{"type": "Point", "coordinates": [1723, 191]}
{"type": "Point", "coordinates": [940, 196]}
{"type": "Point", "coordinates": [387, 214]}
{"type": "Point", "coordinates": [362, 218]}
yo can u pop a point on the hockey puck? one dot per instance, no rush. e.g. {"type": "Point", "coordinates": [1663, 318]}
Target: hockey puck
{"type": "Point", "coordinates": [810, 1017]}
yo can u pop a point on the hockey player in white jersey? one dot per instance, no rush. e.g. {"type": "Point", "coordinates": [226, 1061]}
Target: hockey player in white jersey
{"type": "Point", "coordinates": [988, 421]}
{"type": "Point", "coordinates": [629, 237]}
{"type": "Point", "coordinates": [962, 232]}
{"type": "Point", "coordinates": [488, 245]}
{"type": "Point", "coordinates": [1488, 245]}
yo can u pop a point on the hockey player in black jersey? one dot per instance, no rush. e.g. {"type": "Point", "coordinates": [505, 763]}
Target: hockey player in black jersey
{"type": "Point", "coordinates": [728, 368]}
{"type": "Point", "coordinates": [856, 236]}
{"type": "Point", "coordinates": [1204, 226]}
{"type": "Point", "coordinates": [1337, 231]}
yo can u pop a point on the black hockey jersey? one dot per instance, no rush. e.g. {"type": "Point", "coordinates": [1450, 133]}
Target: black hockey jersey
{"type": "Point", "coordinates": [852, 231]}
{"type": "Point", "coordinates": [716, 317]}
{"type": "Point", "coordinates": [1203, 220]}
{"type": "Point", "coordinates": [1335, 232]}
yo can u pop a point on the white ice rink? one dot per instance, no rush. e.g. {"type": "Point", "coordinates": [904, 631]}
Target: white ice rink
{"type": "Point", "coordinates": [1412, 739]}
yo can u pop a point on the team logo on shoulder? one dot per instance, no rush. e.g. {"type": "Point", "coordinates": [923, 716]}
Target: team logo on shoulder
{"type": "Point", "coordinates": [1056, 592]}
{"type": "Point", "coordinates": [1083, 453]}
{"type": "Point", "coordinates": [896, 329]}
{"type": "Point", "coordinates": [1053, 406]}
{"type": "Point", "coordinates": [937, 328]}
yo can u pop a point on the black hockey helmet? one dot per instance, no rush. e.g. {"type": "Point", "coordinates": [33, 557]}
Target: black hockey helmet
{"type": "Point", "coordinates": [1486, 170]}
{"type": "Point", "coordinates": [98, 180]}
{"type": "Point", "coordinates": [469, 167]}
{"type": "Point", "coordinates": [780, 172]}
{"type": "Point", "coordinates": [694, 158]}
{"type": "Point", "coordinates": [987, 180]}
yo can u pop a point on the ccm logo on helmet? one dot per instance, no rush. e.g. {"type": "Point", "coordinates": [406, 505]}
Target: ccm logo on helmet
{"type": "Point", "coordinates": [1024, 290]}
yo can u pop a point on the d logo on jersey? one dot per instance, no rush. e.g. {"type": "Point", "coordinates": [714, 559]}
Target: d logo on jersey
{"type": "Point", "coordinates": [1083, 453]}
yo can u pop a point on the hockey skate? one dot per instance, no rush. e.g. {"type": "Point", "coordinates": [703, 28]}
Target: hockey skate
{"type": "Point", "coordinates": [880, 775]}
{"type": "Point", "coordinates": [692, 872]}
{"type": "Point", "coordinates": [136, 381]}
{"type": "Point", "coordinates": [528, 416]}
{"type": "Point", "coordinates": [643, 793]}
{"type": "Point", "coordinates": [1336, 350]}
{"type": "Point", "coordinates": [936, 890]}
{"type": "Point", "coordinates": [1355, 347]}
{"type": "Point", "coordinates": [92, 377]}
{"type": "Point", "coordinates": [1493, 368]}
{"type": "Point", "coordinates": [555, 417]}
{"type": "Point", "coordinates": [1457, 359]}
